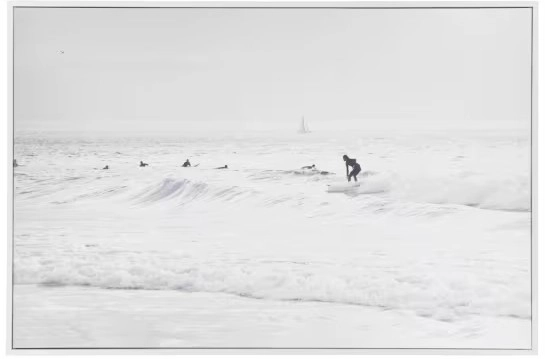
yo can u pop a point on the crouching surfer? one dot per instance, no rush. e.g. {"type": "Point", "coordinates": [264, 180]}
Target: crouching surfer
{"type": "Point", "coordinates": [186, 164]}
{"type": "Point", "coordinates": [356, 168]}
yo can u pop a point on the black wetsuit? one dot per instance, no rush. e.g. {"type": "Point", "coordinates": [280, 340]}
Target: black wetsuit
{"type": "Point", "coordinates": [355, 168]}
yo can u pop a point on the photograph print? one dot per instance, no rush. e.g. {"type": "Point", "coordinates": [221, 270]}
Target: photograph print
{"type": "Point", "coordinates": [281, 177]}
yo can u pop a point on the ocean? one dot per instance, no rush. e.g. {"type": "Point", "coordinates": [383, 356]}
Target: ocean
{"type": "Point", "coordinates": [432, 249]}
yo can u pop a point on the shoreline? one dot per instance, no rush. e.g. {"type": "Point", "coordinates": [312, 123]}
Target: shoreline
{"type": "Point", "coordinates": [54, 317]}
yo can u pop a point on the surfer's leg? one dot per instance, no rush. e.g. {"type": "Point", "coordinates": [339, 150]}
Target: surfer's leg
{"type": "Point", "coordinates": [355, 173]}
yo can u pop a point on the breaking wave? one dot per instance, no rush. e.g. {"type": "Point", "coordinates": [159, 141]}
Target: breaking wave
{"type": "Point", "coordinates": [510, 194]}
{"type": "Point", "coordinates": [442, 296]}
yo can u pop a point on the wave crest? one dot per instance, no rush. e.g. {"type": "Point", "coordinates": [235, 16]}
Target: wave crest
{"type": "Point", "coordinates": [442, 296]}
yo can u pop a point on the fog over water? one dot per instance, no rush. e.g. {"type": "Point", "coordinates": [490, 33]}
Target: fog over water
{"type": "Point", "coordinates": [250, 69]}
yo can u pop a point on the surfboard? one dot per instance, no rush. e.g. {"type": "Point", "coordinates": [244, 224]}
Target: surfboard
{"type": "Point", "coordinates": [346, 187]}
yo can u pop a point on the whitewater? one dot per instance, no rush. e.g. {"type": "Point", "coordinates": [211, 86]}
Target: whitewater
{"type": "Point", "coordinates": [431, 250]}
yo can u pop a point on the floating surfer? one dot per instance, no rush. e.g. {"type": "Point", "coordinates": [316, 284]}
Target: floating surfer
{"type": "Point", "coordinates": [325, 173]}
{"type": "Point", "coordinates": [186, 164]}
{"type": "Point", "coordinates": [142, 164]}
{"type": "Point", "coordinates": [356, 168]}
{"type": "Point", "coordinates": [221, 168]}
{"type": "Point", "coordinates": [313, 167]}
{"type": "Point", "coordinates": [106, 167]}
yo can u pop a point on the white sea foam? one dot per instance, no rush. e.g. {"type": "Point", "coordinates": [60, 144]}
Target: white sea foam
{"type": "Point", "coordinates": [512, 194]}
{"type": "Point", "coordinates": [449, 296]}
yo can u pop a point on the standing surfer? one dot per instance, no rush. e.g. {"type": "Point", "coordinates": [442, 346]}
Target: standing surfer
{"type": "Point", "coordinates": [355, 168]}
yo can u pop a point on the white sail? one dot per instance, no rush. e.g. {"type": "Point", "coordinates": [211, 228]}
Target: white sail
{"type": "Point", "coordinates": [303, 128]}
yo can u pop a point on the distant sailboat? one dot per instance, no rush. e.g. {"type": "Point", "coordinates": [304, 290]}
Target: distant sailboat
{"type": "Point", "coordinates": [303, 128]}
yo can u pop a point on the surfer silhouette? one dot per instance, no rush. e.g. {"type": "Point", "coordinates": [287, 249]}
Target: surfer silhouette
{"type": "Point", "coordinates": [356, 168]}
{"type": "Point", "coordinates": [142, 164]}
{"type": "Point", "coordinates": [221, 168]}
{"type": "Point", "coordinates": [15, 164]}
{"type": "Point", "coordinates": [106, 167]}
{"type": "Point", "coordinates": [186, 164]}
{"type": "Point", "coordinates": [308, 167]}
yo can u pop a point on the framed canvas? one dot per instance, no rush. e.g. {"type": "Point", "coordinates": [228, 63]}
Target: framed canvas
{"type": "Point", "coordinates": [261, 177]}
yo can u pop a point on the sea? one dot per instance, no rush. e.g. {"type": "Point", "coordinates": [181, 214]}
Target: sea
{"type": "Point", "coordinates": [437, 231]}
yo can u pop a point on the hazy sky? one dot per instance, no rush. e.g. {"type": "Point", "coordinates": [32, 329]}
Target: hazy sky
{"type": "Point", "coordinates": [175, 69]}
